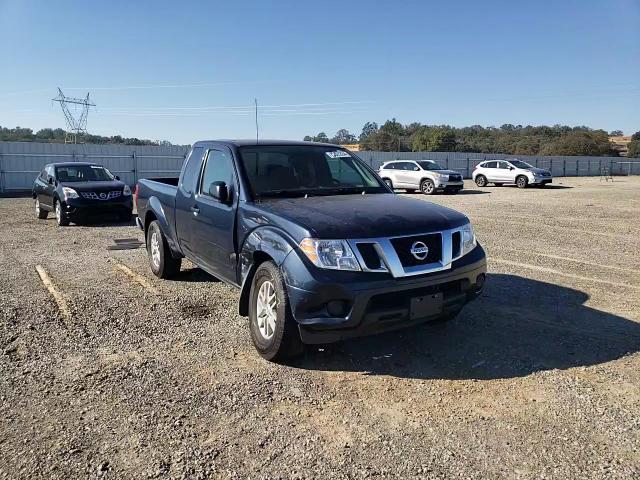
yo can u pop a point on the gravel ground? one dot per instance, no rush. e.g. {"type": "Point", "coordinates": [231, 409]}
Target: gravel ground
{"type": "Point", "coordinates": [539, 378]}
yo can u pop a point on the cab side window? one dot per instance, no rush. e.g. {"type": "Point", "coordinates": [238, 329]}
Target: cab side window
{"type": "Point", "coordinates": [191, 172]}
{"type": "Point", "coordinates": [218, 168]}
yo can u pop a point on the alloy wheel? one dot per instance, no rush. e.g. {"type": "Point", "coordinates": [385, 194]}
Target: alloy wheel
{"type": "Point", "coordinates": [266, 310]}
{"type": "Point", "coordinates": [155, 249]}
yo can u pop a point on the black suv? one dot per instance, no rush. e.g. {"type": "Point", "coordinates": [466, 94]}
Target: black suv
{"type": "Point", "coordinates": [79, 191]}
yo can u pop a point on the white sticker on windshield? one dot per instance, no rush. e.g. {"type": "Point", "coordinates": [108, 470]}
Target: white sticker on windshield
{"type": "Point", "coordinates": [337, 154]}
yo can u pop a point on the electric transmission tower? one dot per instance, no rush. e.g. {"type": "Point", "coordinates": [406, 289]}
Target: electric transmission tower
{"type": "Point", "coordinates": [76, 119]}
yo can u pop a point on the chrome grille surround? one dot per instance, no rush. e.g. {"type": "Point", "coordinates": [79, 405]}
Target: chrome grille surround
{"type": "Point", "coordinates": [390, 262]}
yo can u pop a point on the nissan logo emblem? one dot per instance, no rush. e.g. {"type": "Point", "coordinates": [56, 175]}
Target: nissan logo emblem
{"type": "Point", "coordinates": [419, 250]}
{"type": "Point", "coordinates": [103, 195]}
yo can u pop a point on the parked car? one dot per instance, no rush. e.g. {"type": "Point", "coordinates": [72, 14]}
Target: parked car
{"type": "Point", "coordinates": [515, 171]}
{"type": "Point", "coordinates": [425, 175]}
{"type": "Point", "coordinates": [320, 248]}
{"type": "Point", "coordinates": [80, 191]}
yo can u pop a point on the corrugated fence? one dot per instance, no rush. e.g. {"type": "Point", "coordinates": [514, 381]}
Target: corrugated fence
{"type": "Point", "coordinates": [20, 162]}
{"type": "Point", "coordinates": [559, 166]}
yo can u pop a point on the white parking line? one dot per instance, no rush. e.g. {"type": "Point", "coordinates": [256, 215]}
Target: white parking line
{"type": "Point", "coordinates": [564, 274]}
{"type": "Point", "coordinates": [584, 262]}
{"type": "Point", "coordinates": [136, 278]}
{"type": "Point", "coordinates": [63, 306]}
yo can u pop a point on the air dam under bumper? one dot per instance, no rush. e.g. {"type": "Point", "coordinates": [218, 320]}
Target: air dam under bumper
{"type": "Point", "coordinates": [375, 302]}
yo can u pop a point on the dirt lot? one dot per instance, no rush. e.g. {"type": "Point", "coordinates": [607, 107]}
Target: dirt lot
{"type": "Point", "coordinates": [540, 378]}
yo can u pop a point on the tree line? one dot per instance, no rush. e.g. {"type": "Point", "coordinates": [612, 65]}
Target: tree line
{"type": "Point", "coordinates": [56, 135]}
{"type": "Point", "coordinates": [393, 136]}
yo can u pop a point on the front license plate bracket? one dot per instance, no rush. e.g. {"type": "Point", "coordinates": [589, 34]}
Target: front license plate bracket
{"type": "Point", "coordinates": [426, 306]}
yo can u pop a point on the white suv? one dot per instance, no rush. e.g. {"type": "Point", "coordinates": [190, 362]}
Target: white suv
{"type": "Point", "coordinates": [513, 170]}
{"type": "Point", "coordinates": [425, 175]}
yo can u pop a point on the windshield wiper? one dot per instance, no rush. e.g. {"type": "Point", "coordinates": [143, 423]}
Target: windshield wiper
{"type": "Point", "coordinates": [281, 193]}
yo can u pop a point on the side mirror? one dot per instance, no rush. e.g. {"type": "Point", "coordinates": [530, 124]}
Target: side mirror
{"type": "Point", "coordinates": [511, 168]}
{"type": "Point", "coordinates": [50, 181]}
{"type": "Point", "coordinates": [117, 177]}
{"type": "Point", "coordinates": [416, 169]}
{"type": "Point", "coordinates": [219, 191]}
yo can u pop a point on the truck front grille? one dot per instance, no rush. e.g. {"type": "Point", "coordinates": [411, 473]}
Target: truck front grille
{"type": "Point", "coordinates": [455, 178]}
{"type": "Point", "coordinates": [405, 245]}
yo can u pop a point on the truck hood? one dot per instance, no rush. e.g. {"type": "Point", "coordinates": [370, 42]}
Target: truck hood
{"type": "Point", "coordinates": [364, 216]}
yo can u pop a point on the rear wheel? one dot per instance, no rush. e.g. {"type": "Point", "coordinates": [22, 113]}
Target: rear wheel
{"type": "Point", "coordinates": [481, 181]}
{"type": "Point", "coordinates": [388, 182]}
{"type": "Point", "coordinates": [271, 324]}
{"type": "Point", "coordinates": [61, 216]}
{"type": "Point", "coordinates": [522, 181]}
{"type": "Point", "coordinates": [427, 186]}
{"type": "Point", "coordinates": [163, 265]}
{"type": "Point", "coordinates": [40, 213]}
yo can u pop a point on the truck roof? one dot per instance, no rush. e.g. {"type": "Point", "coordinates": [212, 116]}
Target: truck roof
{"type": "Point", "coordinates": [253, 142]}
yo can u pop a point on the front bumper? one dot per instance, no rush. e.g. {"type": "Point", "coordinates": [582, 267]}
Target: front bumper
{"type": "Point", "coordinates": [446, 185]}
{"type": "Point", "coordinates": [80, 208]}
{"type": "Point", "coordinates": [541, 180]}
{"type": "Point", "coordinates": [374, 302]}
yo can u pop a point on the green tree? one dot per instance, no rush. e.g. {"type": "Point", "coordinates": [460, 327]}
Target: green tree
{"type": "Point", "coordinates": [616, 133]}
{"type": "Point", "coordinates": [634, 149]}
{"type": "Point", "coordinates": [343, 137]}
{"type": "Point", "coordinates": [434, 139]}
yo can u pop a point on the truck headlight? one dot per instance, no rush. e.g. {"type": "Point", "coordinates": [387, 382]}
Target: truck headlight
{"type": "Point", "coordinates": [332, 254]}
{"type": "Point", "coordinates": [69, 193]}
{"type": "Point", "coordinates": [468, 239]}
{"type": "Point", "coordinates": [126, 190]}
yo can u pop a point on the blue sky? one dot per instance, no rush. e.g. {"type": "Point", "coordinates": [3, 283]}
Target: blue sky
{"type": "Point", "coordinates": [184, 71]}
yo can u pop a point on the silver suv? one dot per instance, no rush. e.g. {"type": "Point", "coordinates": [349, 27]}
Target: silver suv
{"type": "Point", "coordinates": [425, 175]}
{"type": "Point", "coordinates": [515, 171]}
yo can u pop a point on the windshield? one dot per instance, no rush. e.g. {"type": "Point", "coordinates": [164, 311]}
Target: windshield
{"type": "Point", "coordinates": [520, 164]}
{"type": "Point", "coordinates": [430, 166]}
{"type": "Point", "coordinates": [83, 173]}
{"type": "Point", "coordinates": [299, 170]}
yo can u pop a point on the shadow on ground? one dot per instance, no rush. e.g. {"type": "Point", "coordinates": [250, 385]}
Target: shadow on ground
{"type": "Point", "coordinates": [195, 274]}
{"type": "Point", "coordinates": [519, 326]}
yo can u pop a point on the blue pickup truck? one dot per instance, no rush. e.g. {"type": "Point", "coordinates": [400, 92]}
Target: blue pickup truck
{"type": "Point", "coordinates": [319, 246]}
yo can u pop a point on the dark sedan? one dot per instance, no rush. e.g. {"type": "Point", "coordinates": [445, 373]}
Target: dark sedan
{"type": "Point", "coordinates": [80, 191]}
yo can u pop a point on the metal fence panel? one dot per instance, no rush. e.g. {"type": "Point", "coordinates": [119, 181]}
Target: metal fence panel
{"type": "Point", "coordinates": [20, 162]}
{"type": "Point", "coordinates": [558, 165]}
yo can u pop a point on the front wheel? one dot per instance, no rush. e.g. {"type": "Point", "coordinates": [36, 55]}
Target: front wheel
{"type": "Point", "coordinates": [481, 181]}
{"type": "Point", "coordinates": [61, 216]}
{"type": "Point", "coordinates": [162, 263]}
{"type": "Point", "coordinates": [271, 324]}
{"type": "Point", "coordinates": [427, 186]}
{"type": "Point", "coordinates": [522, 181]}
{"type": "Point", "coordinates": [40, 213]}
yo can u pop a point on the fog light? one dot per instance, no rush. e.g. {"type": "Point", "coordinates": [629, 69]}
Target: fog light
{"type": "Point", "coordinates": [480, 282]}
{"type": "Point", "coordinates": [337, 308]}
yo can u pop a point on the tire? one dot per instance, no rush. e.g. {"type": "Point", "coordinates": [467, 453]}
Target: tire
{"type": "Point", "coordinates": [427, 186]}
{"type": "Point", "coordinates": [388, 182]}
{"type": "Point", "coordinates": [498, 184]}
{"type": "Point", "coordinates": [162, 263]}
{"type": "Point", "coordinates": [61, 217]}
{"type": "Point", "coordinates": [276, 337]}
{"type": "Point", "coordinates": [481, 181]}
{"type": "Point", "coordinates": [521, 181]}
{"type": "Point", "coordinates": [40, 213]}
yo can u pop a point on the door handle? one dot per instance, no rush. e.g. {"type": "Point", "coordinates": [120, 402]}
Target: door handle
{"type": "Point", "coordinates": [195, 209]}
